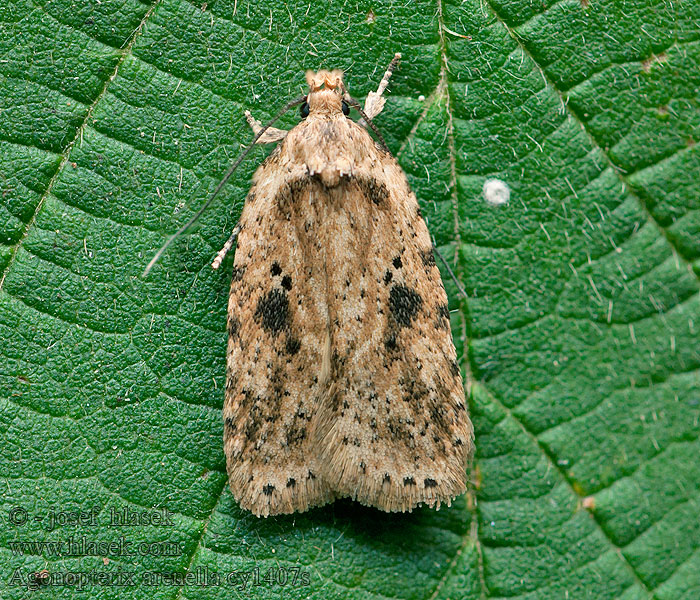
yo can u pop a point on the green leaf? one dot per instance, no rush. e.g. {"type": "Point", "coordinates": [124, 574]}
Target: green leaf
{"type": "Point", "coordinates": [579, 336]}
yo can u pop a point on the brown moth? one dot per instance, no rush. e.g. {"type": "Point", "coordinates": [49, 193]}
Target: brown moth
{"type": "Point", "coordinates": [342, 378]}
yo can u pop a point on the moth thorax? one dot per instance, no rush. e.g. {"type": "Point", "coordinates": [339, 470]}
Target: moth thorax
{"type": "Point", "coordinates": [325, 101]}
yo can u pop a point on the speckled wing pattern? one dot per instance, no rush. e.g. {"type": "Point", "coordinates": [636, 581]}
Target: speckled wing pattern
{"type": "Point", "coordinates": [277, 326]}
{"type": "Point", "coordinates": [342, 378]}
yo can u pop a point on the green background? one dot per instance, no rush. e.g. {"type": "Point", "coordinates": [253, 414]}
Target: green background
{"type": "Point", "coordinates": [579, 337]}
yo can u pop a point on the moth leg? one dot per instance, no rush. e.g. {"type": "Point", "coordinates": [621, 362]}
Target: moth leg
{"type": "Point", "coordinates": [227, 246]}
{"type": "Point", "coordinates": [375, 100]}
{"type": "Point", "coordinates": [271, 135]}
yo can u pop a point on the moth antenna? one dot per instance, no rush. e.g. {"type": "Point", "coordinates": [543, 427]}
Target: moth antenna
{"type": "Point", "coordinates": [355, 104]}
{"type": "Point", "coordinates": [221, 183]}
{"type": "Point", "coordinates": [389, 70]}
{"type": "Point", "coordinates": [449, 270]}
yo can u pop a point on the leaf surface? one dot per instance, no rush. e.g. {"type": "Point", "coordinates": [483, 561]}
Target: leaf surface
{"type": "Point", "coordinates": [578, 339]}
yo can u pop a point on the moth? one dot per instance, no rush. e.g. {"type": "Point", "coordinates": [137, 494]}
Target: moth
{"type": "Point", "coordinates": [341, 378]}
{"type": "Point", "coordinates": [341, 373]}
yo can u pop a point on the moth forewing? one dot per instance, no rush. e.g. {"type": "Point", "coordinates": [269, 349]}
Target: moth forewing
{"type": "Point", "coordinates": [342, 378]}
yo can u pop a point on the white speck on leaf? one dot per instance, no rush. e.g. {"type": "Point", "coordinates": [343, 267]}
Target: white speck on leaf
{"type": "Point", "coordinates": [496, 192]}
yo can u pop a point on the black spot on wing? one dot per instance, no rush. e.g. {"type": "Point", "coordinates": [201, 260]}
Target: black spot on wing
{"type": "Point", "coordinates": [430, 483]}
{"type": "Point", "coordinates": [275, 269]}
{"type": "Point", "coordinates": [295, 435]}
{"type": "Point", "coordinates": [272, 311]}
{"type": "Point", "coordinates": [438, 414]}
{"type": "Point", "coordinates": [400, 430]}
{"type": "Point", "coordinates": [233, 326]}
{"type": "Point", "coordinates": [268, 489]}
{"type": "Point", "coordinates": [287, 282]}
{"type": "Point", "coordinates": [292, 346]}
{"type": "Point", "coordinates": [404, 304]}
{"type": "Point", "coordinates": [409, 481]}
{"type": "Point", "coordinates": [397, 263]}
{"type": "Point", "coordinates": [298, 185]}
{"type": "Point", "coordinates": [238, 273]}
{"type": "Point", "coordinates": [290, 192]}
{"type": "Point", "coordinates": [414, 391]}
{"type": "Point", "coordinates": [374, 190]}
{"type": "Point", "coordinates": [443, 317]}
{"type": "Point", "coordinates": [428, 257]}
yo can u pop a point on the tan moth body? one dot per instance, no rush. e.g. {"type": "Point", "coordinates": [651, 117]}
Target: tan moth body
{"type": "Point", "coordinates": [342, 378]}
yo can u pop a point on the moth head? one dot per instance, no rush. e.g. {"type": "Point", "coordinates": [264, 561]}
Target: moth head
{"type": "Point", "coordinates": [326, 89]}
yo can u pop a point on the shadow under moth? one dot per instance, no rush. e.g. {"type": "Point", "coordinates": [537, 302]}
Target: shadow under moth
{"type": "Point", "coordinates": [341, 375]}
